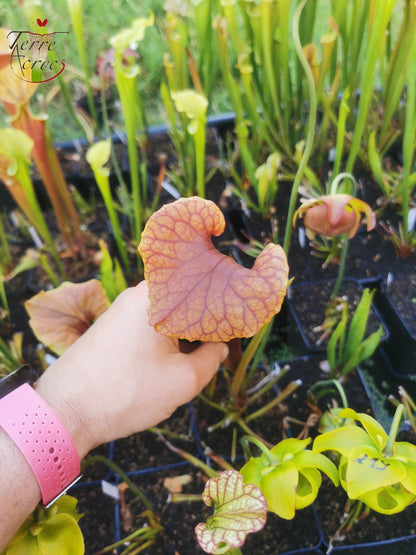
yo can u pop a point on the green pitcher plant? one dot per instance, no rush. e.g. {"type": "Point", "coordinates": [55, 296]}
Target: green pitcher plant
{"type": "Point", "coordinates": [126, 73]}
{"type": "Point", "coordinates": [50, 530]}
{"type": "Point", "coordinates": [75, 8]}
{"type": "Point", "coordinates": [374, 468]}
{"type": "Point", "coordinates": [15, 151]}
{"type": "Point", "coordinates": [97, 156]}
{"type": "Point", "coordinates": [194, 105]}
{"type": "Point", "coordinates": [336, 218]}
{"type": "Point", "coordinates": [15, 95]}
{"type": "Point", "coordinates": [289, 475]}
{"type": "Point", "coordinates": [266, 185]}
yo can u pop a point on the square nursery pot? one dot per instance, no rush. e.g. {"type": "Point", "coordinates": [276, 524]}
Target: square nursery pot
{"type": "Point", "coordinates": [381, 381]}
{"type": "Point", "coordinates": [399, 313]}
{"type": "Point", "coordinates": [395, 300]}
{"type": "Point", "coordinates": [307, 302]}
{"type": "Point", "coordinates": [306, 266]}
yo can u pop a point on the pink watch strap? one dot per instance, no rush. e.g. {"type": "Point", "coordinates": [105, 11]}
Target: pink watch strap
{"type": "Point", "coordinates": [43, 440]}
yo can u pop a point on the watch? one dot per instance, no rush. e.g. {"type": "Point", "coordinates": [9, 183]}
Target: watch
{"type": "Point", "coordinates": [39, 434]}
{"type": "Point", "coordinates": [24, 374]}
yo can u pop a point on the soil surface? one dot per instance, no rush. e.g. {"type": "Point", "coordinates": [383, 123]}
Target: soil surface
{"type": "Point", "coordinates": [310, 301]}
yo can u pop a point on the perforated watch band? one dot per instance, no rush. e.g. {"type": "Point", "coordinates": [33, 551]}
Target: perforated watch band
{"type": "Point", "coordinates": [42, 438]}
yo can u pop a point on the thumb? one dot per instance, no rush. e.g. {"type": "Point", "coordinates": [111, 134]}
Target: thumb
{"type": "Point", "coordinates": [204, 361]}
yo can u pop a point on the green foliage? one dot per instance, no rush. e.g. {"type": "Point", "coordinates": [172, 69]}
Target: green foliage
{"type": "Point", "coordinates": [373, 467]}
{"type": "Point", "coordinates": [194, 106]}
{"type": "Point", "coordinates": [239, 370]}
{"type": "Point", "coordinates": [11, 354]}
{"type": "Point", "coordinates": [409, 406]}
{"type": "Point", "coordinates": [347, 347]}
{"type": "Point", "coordinates": [266, 184]}
{"type": "Point", "coordinates": [97, 156]}
{"type": "Point", "coordinates": [52, 530]}
{"type": "Point", "coordinates": [75, 12]}
{"type": "Point", "coordinates": [111, 274]}
{"type": "Point", "coordinates": [15, 149]}
{"type": "Point", "coordinates": [126, 71]}
{"type": "Point", "coordinates": [275, 58]}
{"type": "Point", "coordinates": [288, 475]}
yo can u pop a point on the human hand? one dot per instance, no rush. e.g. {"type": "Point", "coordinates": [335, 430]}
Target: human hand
{"type": "Point", "coordinates": [122, 376]}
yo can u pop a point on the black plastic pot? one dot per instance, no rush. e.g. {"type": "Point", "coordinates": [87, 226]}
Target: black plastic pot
{"type": "Point", "coordinates": [400, 347]}
{"type": "Point", "coordinates": [307, 317]}
{"type": "Point", "coordinates": [306, 265]}
{"type": "Point", "coordinates": [381, 381]}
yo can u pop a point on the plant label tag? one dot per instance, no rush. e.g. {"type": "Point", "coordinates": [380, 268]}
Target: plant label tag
{"type": "Point", "coordinates": [171, 189]}
{"type": "Point", "coordinates": [302, 237]}
{"type": "Point", "coordinates": [35, 237]}
{"type": "Point", "coordinates": [49, 359]}
{"type": "Point", "coordinates": [411, 219]}
{"type": "Point", "coordinates": [110, 489]}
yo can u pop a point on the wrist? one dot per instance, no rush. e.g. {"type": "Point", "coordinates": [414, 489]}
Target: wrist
{"type": "Point", "coordinates": [63, 398]}
{"type": "Point", "coordinates": [16, 476]}
{"type": "Point", "coordinates": [42, 438]}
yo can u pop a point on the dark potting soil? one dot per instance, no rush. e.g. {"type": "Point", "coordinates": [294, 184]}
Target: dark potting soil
{"type": "Point", "coordinates": [401, 289]}
{"type": "Point", "coordinates": [397, 275]}
{"type": "Point", "coordinates": [277, 423]}
{"type": "Point", "coordinates": [309, 302]}
{"type": "Point", "coordinates": [179, 520]}
{"type": "Point", "coordinates": [402, 293]}
{"type": "Point", "coordinates": [375, 527]}
{"type": "Point", "coordinates": [306, 264]}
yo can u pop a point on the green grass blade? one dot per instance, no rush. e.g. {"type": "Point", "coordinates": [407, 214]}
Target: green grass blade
{"type": "Point", "coordinates": [358, 323]}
